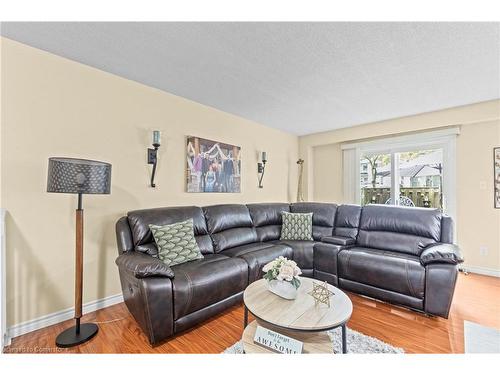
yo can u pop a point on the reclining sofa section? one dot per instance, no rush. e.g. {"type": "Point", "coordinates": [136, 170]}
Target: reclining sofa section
{"type": "Point", "coordinates": [400, 255]}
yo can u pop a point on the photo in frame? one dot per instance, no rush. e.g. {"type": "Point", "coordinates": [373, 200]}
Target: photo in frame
{"type": "Point", "coordinates": [496, 176]}
{"type": "Point", "coordinates": [212, 167]}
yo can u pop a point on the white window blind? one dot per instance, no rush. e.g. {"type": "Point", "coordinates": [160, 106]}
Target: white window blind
{"type": "Point", "coordinates": [350, 160]}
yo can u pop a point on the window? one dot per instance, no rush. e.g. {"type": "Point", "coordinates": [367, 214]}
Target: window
{"type": "Point", "coordinates": [417, 178]}
{"type": "Point", "coordinates": [412, 170]}
{"type": "Point", "coordinates": [376, 185]}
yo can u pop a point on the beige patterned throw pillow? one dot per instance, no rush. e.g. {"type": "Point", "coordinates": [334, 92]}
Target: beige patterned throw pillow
{"type": "Point", "coordinates": [296, 226]}
{"type": "Point", "coordinates": [176, 243]}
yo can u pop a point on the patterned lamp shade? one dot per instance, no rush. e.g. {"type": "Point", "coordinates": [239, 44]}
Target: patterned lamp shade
{"type": "Point", "coordinates": [78, 176]}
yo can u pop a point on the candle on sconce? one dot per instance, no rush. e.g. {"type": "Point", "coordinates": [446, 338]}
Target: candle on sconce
{"type": "Point", "coordinates": [156, 137]}
{"type": "Point", "coordinates": [264, 156]}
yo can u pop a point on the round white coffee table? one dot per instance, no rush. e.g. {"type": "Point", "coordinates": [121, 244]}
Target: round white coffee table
{"type": "Point", "coordinates": [302, 318]}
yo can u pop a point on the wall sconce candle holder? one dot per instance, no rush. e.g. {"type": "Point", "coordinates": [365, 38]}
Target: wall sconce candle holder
{"type": "Point", "coordinates": [300, 193]}
{"type": "Point", "coordinates": [153, 155]}
{"type": "Point", "coordinates": [261, 168]}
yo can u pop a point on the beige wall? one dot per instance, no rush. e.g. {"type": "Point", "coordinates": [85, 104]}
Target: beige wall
{"type": "Point", "coordinates": [478, 222]}
{"type": "Point", "coordinates": [328, 167]}
{"type": "Point", "coordinates": [53, 106]}
{"type": "Point", "coordinates": [56, 107]}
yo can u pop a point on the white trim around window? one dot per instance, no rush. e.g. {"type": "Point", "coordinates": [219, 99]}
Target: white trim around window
{"type": "Point", "coordinates": [397, 143]}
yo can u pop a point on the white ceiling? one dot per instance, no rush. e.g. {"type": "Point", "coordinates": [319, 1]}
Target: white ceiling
{"type": "Point", "coordinates": [299, 77]}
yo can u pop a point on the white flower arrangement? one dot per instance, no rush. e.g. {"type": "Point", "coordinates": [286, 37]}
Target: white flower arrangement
{"type": "Point", "coordinates": [283, 269]}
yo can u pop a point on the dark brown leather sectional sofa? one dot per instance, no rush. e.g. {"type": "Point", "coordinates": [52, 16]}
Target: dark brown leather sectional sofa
{"type": "Point", "coordinates": [401, 255]}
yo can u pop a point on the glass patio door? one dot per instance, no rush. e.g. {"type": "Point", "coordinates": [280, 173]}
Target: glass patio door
{"type": "Point", "coordinates": [420, 178]}
{"type": "Point", "coordinates": [406, 177]}
{"type": "Point", "coordinates": [375, 178]}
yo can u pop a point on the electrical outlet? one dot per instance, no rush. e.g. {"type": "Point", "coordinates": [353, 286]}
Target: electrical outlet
{"type": "Point", "coordinates": [483, 251]}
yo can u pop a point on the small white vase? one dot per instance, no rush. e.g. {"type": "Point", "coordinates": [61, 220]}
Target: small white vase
{"type": "Point", "coordinates": [282, 288]}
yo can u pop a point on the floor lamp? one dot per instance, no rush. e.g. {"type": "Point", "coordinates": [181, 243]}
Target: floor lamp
{"type": "Point", "coordinates": [78, 176]}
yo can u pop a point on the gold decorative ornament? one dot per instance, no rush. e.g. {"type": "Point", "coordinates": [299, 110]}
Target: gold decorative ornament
{"type": "Point", "coordinates": [300, 195]}
{"type": "Point", "coordinates": [321, 293]}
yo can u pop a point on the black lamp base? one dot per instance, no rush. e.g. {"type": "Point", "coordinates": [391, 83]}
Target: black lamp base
{"type": "Point", "coordinates": [69, 337]}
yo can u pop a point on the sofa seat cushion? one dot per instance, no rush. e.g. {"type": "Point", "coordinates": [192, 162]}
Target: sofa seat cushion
{"type": "Point", "coordinates": [244, 249]}
{"type": "Point", "coordinates": [203, 282]}
{"type": "Point", "coordinates": [302, 252]}
{"type": "Point", "coordinates": [389, 270]}
{"type": "Point", "coordinates": [257, 255]}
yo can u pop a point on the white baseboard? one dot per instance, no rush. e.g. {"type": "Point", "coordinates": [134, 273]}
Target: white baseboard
{"type": "Point", "coordinates": [482, 271]}
{"type": "Point", "coordinates": [59, 316]}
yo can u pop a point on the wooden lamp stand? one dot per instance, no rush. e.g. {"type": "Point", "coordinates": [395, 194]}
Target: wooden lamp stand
{"type": "Point", "coordinates": [80, 333]}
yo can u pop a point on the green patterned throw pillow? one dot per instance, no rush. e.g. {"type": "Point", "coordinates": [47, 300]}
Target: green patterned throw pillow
{"type": "Point", "coordinates": [296, 226]}
{"type": "Point", "coordinates": [176, 243]}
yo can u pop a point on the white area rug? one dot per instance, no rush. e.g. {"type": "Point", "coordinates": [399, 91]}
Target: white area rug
{"type": "Point", "coordinates": [357, 343]}
{"type": "Point", "coordinates": [481, 339]}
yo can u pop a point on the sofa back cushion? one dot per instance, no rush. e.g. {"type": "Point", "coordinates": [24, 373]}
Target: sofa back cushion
{"type": "Point", "coordinates": [140, 220]}
{"type": "Point", "coordinates": [403, 229]}
{"type": "Point", "coordinates": [347, 221]}
{"type": "Point", "coordinates": [266, 218]}
{"type": "Point", "coordinates": [323, 216]}
{"type": "Point", "coordinates": [229, 225]}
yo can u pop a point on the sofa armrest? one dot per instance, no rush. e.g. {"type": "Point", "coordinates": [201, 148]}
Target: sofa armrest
{"type": "Point", "coordinates": [325, 261]}
{"type": "Point", "coordinates": [150, 301]}
{"type": "Point", "coordinates": [124, 238]}
{"type": "Point", "coordinates": [441, 253]}
{"type": "Point", "coordinates": [142, 265]}
{"type": "Point", "coordinates": [338, 240]}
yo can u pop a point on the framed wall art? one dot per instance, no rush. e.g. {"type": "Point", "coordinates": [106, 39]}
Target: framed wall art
{"type": "Point", "coordinates": [212, 167]}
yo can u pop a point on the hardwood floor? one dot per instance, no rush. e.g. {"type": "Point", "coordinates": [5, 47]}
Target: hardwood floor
{"type": "Point", "coordinates": [477, 299]}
